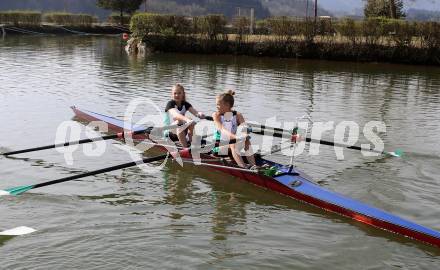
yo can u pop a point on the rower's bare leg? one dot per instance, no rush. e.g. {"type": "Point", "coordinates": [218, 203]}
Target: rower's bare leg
{"type": "Point", "coordinates": [236, 155]}
{"type": "Point", "coordinates": [249, 153]}
{"type": "Point", "coordinates": [181, 134]}
{"type": "Point", "coordinates": [190, 133]}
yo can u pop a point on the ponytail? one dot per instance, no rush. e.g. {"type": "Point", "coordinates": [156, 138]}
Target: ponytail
{"type": "Point", "coordinates": [227, 97]}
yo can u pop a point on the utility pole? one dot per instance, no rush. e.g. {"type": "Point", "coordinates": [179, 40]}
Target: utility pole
{"type": "Point", "coordinates": [316, 10]}
{"type": "Point", "coordinates": [251, 26]}
{"type": "Point", "coordinates": [307, 10]}
{"type": "Point", "coordinates": [145, 5]}
{"type": "Point", "coordinates": [393, 10]}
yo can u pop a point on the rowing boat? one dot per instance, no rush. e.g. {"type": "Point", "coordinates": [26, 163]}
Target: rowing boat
{"type": "Point", "coordinates": [295, 184]}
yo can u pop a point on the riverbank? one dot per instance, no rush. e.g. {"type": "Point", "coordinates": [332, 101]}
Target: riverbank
{"type": "Point", "coordinates": [43, 29]}
{"type": "Point", "coordinates": [368, 40]}
{"type": "Point", "coordinates": [294, 49]}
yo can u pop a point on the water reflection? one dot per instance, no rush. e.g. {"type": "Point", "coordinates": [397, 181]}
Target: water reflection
{"type": "Point", "coordinates": [4, 239]}
{"type": "Point", "coordinates": [177, 185]}
{"type": "Point", "coordinates": [210, 212]}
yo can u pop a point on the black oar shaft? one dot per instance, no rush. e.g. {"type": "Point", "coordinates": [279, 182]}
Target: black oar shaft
{"type": "Point", "coordinates": [59, 145]}
{"type": "Point", "coordinates": [22, 189]}
{"type": "Point", "coordinates": [103, 170]}
{"type": "Point", "coordinates": [308, 139]}
{"type": "Point", "coordinates": [282, 133]}
{"type": "Point", "coordinates": [113, 168]}
{"type": "Point", "coordinates": [103, 138]}
{"type": "Point", "coordinates": [354, 147]}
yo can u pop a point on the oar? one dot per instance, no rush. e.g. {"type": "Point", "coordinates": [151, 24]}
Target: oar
{"type": "Point", "coordinates": [22, 230]}
{"type": "Point", "coordinates": [282, 133]}
{"type": "Point", "coordinates": [119, 135]}
{"type": "Point", "coordinates": [21, 189]}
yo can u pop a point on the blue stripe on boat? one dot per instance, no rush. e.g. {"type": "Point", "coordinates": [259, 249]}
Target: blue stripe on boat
{"type": "Point", "coordinates": [111, 120]}
{"type": "Point", "coordinates": [315, 191]}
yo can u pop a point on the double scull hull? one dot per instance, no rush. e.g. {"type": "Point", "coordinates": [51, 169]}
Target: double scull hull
{"type": "Point", "coordinates": [297, 185]}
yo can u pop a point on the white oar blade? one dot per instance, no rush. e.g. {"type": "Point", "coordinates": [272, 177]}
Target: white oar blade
{"type": "Point", "coordinates": [22, 230]}
{"type": "Point", "coordinates": [4, 193]}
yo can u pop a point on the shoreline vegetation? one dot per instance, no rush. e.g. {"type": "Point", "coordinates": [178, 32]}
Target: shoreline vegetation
{"type": "Point", "coordinates": [368, 40]}
{"type": "Point", "coordinates": [35, 23]}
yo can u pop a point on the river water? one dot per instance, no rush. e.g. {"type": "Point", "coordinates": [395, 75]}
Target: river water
{"type": "Point", "coordinates": [194, 218]}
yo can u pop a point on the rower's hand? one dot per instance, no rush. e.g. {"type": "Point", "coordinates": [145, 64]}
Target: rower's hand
{"type": "Point", "coordinates": [296, 138]}
{"type": "Point", "coordinates": [242, 138]}
{"type": "Point", "coordinates": [201, 115]}
{"type": "Point", "coordinates": [191, 122]}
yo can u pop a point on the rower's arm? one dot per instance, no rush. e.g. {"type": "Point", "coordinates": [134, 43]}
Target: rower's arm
{"type": "Point", "coordinates": [177, 116]}
{"type": "Point", "coordinates": [218, 125]}
{"type": "Point", "coordinates": [196, 113]}
{"type": "Point", "coordinates": [241, 121]}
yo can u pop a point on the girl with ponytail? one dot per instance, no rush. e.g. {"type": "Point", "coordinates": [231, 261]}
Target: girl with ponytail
{"type": "Point", "coordinates": [226, 122]}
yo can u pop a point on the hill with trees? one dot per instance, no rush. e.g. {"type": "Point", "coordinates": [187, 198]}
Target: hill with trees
{"type": "Point", "coordinates": [230, 8]}
{"type": "Point", "coordinates": [72, 6]}
{"type": "Point", "coordinates": [422, 15]}
{"type": "Point", "coordinates": [298, 8]}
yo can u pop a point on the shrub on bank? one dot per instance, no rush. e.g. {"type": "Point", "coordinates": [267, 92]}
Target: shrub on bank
{"type": "Point", "coordinates": [429, 34]}
{"type": "Point", "coordinates": [391, 33]}
{"type": "Point", "coordinates": [17, 17]}
{"type": "Point", "coordinates": [349, 29]}
{"type": "Point", "coordinates": [283, 27]}
{"type": "Point", "coordinates": [308, 30]}
{"type": "Point", "coordinates": [325, 27]}
{"type": "Point", "coordinates": [371, 39]}
{"type": "Point", "coordinates": [261, 27]}
{"type": "Point", "coordinates": [142, 24]}
{"type": "Point", "coordinates": [241, 26]}
{"type": "Point", "coordinates": [62, 18]}
{"type": "Point", "coordinates": [211, 26]}
{"type": "Point", "coordinates": [115, 18]}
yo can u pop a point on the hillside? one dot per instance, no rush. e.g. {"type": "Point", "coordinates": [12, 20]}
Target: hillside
{"type": "Point", "coordinates": [263, 8]}
{"type": "Point", "coordinates": [422, 15]}
{"type": "Point", "coordinates": [354, 6]}
{"type": "Point", "coordinates": [74, 6]}
{"type": "Point", "coordinates": [198, 7]}
{"type": "Point", "coordinates": [297, 8]}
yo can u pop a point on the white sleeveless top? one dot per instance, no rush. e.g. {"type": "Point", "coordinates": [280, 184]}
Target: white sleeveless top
{"type": "Point", "coordinates": [229, 121]}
